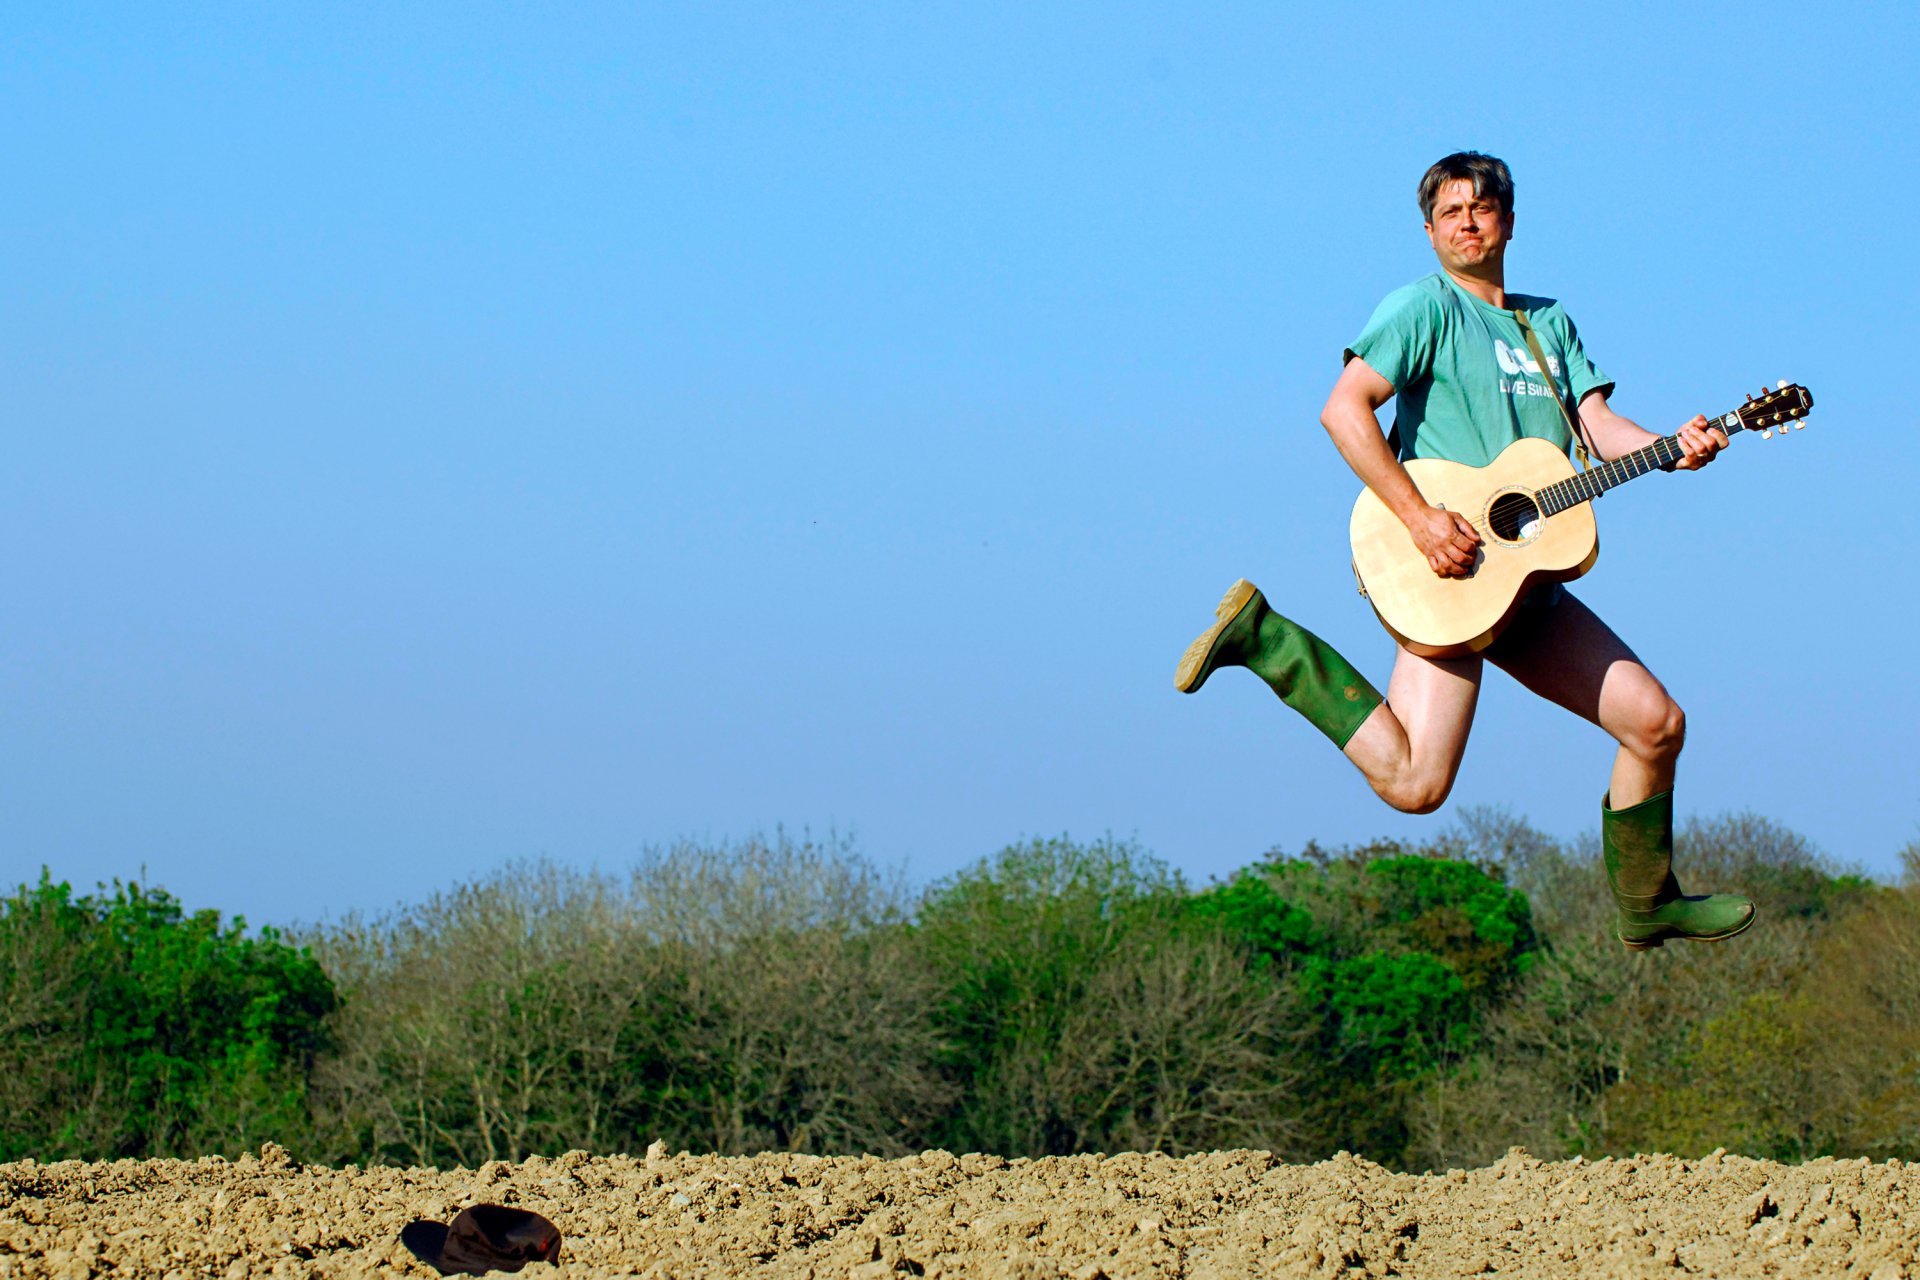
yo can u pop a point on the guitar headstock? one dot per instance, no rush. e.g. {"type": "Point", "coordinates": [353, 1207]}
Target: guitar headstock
{"type": "Point", "coordinates": [1787, 405]}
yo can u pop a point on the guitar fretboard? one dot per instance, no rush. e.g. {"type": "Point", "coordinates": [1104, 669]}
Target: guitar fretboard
{"type": "Point", "coordinates": [1589, 485]}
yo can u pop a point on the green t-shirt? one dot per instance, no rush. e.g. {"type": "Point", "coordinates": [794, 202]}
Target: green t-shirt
{"type": "Point", "coordinates": [1465, 384]}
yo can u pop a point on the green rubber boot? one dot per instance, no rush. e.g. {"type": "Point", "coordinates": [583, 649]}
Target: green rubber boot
{"type": "Point", "coordinates": [1308, 673]}
{"type": "Point", "coordinates": [1638, 845]}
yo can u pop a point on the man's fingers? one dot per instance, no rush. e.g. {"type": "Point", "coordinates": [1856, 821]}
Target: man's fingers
{"type": "Point", "coordinates": [1699, 442]}
{"type": "Point", "coordinates": [1450, 542]}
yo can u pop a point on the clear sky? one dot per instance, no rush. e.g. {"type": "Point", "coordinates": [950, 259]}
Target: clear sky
{"type": "Point", "coordinates": [441, 434]}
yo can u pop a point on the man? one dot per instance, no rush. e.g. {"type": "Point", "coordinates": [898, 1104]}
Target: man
{"type": "Point", "coordinates": [1452, 352]}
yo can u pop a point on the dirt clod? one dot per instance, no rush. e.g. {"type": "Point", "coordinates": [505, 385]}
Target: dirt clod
{"type": "Point", "coordinates": [934, 1215]}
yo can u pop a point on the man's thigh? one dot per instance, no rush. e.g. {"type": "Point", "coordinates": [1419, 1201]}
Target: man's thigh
{"type": "Point", "coordinates": [1567, 655]}
{"type": "Point", "coordinates": [1434, 701]}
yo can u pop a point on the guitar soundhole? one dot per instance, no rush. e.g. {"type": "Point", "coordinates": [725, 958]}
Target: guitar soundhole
{"type": "Point", "coordinates": [1514, 517]}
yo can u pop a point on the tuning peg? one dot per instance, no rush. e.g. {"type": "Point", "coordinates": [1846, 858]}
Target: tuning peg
{"type": "Point", "coordinates": [1766, 433]}
{"type": "Point", "coordinates": [1780, 385]}
{"type": "Point", "coordinates": [1800, 425]}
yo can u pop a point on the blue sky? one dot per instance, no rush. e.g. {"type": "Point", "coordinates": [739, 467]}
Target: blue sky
{"type": "Point", "coordinates": [441, 434]}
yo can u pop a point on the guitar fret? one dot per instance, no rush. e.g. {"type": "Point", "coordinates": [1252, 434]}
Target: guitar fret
{"type": "Point", "coordinates": [1585, 486]}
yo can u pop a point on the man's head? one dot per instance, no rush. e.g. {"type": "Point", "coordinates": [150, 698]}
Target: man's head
{"type": "Point", "coordinates": [1486, 175]}
{"type": "Point", "coordinates": [1467, 201]}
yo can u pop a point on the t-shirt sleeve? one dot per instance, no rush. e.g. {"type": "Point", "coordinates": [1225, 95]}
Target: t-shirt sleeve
{"type": "Point", "coordinates": [1582, 374]}
{"type": "Point", "coordinates": [1400, 340]}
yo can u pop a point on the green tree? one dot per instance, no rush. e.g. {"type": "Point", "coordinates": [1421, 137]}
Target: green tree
{"type": "Point", "coordinates": [155, 1031]}
{"type": "Point", "coordinates": [1085, 1012]}
{"type": "Point", "coordinates": [1399, 953]}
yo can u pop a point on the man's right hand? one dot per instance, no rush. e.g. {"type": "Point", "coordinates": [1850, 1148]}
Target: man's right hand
{"type": "Point", "coordinates": [1447, 541]}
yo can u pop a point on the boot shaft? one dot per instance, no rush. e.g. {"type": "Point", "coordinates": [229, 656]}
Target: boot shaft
{"type": "Point", "coordinates": [1310, 675]}
{"type": "Point", "coordinates": [1637, 844]}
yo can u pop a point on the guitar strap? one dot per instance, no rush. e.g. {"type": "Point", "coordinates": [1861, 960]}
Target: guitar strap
{"type": "Point", "coordinates": [1546, 371]}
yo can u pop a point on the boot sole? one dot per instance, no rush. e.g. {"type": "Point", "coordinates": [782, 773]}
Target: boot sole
{"type": "Point", "coordinates": [1193, 663]}
{"type": "Point", "coordinates": [1651, 943]}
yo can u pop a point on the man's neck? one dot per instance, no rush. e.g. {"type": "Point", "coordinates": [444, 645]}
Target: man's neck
{"type": "Point", "coordinates": [1490, 289]}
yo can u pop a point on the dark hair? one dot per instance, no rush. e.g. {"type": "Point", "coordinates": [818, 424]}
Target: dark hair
{"type": "Point", "coordinates": [1488, 175]}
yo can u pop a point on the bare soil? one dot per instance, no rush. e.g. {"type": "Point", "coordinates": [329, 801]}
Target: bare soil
{"type": "Point", "coordinates": [1236, 1213]}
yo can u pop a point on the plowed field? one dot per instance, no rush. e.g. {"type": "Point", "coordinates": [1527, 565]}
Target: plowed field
{"type": "Point", "coordinates": [1236, 1213]}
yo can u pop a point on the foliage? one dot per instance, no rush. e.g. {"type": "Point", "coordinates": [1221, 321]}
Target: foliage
{"type": "Point", "coordinates": [1429, 1006]}
{"type": "Point", "coordinates": [1085, 1015]}
{"type": "Point", "coordinates": [731, 999]}
{"type": "Point", "coordinates": [1686, 1048]}
{"type": "Point", "coordinates": [134, 1028]}
{"type": "Point", "coordinates": [1395, 946]}
{"type": "Point", "coordinates": [1399, 954]}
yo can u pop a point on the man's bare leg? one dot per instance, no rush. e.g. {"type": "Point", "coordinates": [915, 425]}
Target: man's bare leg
{"type": "Point", "coordinates": [1408, 744]}
{"type": "Point", "coordinates": [1410, 747]}
{"type": "Point", "coordinates": [1567, 655]}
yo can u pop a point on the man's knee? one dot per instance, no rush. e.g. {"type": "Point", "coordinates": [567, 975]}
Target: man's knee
{"type": "Point", "coordinates": [1413, 794]}
{"type": "Point", "coordinates": [1659, 733]}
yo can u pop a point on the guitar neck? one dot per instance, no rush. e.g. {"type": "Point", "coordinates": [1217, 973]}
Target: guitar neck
{"type": "Point", "coordinates": [1588, 485]}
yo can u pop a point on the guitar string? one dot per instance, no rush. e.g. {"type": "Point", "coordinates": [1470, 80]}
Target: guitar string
{"type": "Point", "coordinates": [1614, 471]}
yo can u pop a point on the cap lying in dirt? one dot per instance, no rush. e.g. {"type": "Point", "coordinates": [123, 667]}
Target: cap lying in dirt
{"type": "Point", "coordinates": [483, 1238]}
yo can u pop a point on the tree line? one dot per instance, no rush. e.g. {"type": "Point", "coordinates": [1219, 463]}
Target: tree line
{"type": "Point", "coordinates": [1427, 1006]}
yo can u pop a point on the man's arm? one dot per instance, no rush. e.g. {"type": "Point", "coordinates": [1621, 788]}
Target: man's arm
{"type": "Point", "coordinates": [1443, 537]}
{"type": "Point", "coordinates": [1612, 435]}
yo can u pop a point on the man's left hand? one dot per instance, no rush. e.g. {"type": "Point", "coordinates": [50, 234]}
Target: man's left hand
{"type": "Point", "coordinates": [1699, 443]}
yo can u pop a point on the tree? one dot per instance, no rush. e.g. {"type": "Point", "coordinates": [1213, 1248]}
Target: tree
{"type": "Point", "coordinates": [1087, 1013]}
{"type": "Point", "coordinates": [1685, 1048]}
{"type": "Point", "coordinates": [489, 1022]}
{"type": "Point", "coordinates": [808, 1019]}
{"type": "Point", "coordinates": [141, 1030]}
{"type": "Point", "coordinates": [727, 998]}
{"type": "Point", "coordinates": [1400, 955]}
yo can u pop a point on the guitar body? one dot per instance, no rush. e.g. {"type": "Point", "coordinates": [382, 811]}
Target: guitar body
{"type": "Point", "coordinates": [1519, 549]}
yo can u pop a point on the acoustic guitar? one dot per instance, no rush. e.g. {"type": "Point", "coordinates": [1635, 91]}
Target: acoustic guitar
{"type": "Point", "coordinates": [1531, 509]}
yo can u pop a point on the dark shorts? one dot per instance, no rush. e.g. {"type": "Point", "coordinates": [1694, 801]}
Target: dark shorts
{"type": "Point", "coordinates": [1534, 610]}
{"type": "Point", "coordinates": [1543, 597]}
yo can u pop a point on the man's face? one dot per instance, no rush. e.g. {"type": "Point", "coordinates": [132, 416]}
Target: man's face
{"type": "Point", "coordinates": [1469, 232]}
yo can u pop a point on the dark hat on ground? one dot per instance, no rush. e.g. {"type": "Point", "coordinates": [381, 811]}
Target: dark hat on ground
{"type": "Point", "coordinates": [483, 1238]}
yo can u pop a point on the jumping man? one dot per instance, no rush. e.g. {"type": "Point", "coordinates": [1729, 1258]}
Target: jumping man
{"type": "Point", "coordinates": [1451, 351]}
